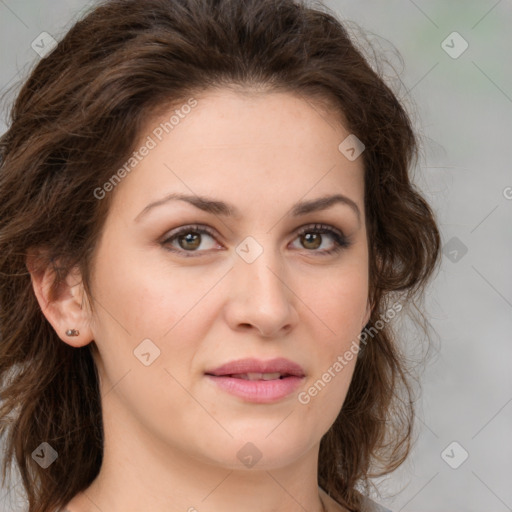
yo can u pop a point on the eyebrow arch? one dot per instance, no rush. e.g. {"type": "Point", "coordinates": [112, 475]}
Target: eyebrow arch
{"type": "Point", "coordinates": [221, 208]}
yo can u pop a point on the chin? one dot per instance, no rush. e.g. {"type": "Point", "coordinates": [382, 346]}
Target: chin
{"type": "Point", "coordinates": [259, 450]}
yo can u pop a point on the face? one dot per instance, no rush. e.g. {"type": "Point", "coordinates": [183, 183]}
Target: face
{"type": "Point", "coordinates": [182, 287]}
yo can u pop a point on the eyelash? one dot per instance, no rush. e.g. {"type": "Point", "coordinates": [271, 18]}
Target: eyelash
{"type": "Point", "coordinates": [340, 240]}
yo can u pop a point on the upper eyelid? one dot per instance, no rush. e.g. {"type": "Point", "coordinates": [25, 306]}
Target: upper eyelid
{"type": "Point", "coordinates": [319, 226]}
{"type": "Point", "coordinates": [213, 232]}
{"type": "Point", "coordinates": [340, 239]}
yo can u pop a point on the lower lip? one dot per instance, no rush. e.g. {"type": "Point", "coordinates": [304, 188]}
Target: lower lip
{"type": "Point", "coordinates": [258, 391]}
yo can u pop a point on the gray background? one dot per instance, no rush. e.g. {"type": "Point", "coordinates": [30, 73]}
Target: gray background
{"type": "Point", "coordinates": [462, 108]}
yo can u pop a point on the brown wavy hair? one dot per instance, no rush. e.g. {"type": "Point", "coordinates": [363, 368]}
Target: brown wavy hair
{"type": "Point", "coordinates": [78, 116]}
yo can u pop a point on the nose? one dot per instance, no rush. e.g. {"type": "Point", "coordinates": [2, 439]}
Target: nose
{"type": "Point", "coordinates": [261, 295]}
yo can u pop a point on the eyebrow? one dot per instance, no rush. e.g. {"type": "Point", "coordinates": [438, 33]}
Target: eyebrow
{"type": "Point", "coordinates": [216, 207]}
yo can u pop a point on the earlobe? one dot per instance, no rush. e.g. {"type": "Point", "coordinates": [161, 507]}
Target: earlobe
{"type": "Point", "coordinates": [63, 307]}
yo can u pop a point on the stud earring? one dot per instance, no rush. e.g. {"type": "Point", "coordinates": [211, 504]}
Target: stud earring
{"type": "Point", "coordinates": [72, 332]}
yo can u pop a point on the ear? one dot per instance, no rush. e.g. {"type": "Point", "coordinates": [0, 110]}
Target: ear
{"type": "Point", "coordinates": [65, 309]}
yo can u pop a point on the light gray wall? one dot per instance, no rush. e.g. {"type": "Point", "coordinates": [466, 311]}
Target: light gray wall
{"type": "Point", "coordinates": [463, 109]}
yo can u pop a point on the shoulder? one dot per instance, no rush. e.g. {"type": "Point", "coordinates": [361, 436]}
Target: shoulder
{"type": "Point", "coordinates": [367, 504]}
{"type": "Point", "coordinates": [372, 506]}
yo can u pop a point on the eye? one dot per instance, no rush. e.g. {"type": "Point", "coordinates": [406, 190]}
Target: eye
{"type": "Point", "coordinates": [188, 239]}
{"type": "Point", "coordinates": [312, 237]}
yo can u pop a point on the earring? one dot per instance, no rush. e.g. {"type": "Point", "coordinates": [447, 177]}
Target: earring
{"type": "Point", "coordinates": [72, 332]}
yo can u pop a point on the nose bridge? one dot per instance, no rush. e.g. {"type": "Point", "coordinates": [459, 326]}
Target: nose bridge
{"type": "Point", "coordinates": [259, 260]}
{"type": "Point", "coordinates": [262, 297]}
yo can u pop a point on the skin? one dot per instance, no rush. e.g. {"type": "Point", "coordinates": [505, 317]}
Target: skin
{"type": "Point", "coordinates": [171, 436]}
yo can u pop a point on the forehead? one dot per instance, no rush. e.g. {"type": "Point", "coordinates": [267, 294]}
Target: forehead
{"type": "Point", "coordinates": [251, 149]}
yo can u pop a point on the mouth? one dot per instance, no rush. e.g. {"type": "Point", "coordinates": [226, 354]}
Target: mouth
{"type": "Point", "coordinates": [258, 369]}
{"type": "Point", "coordinates": [256, 376]}
{"type": "Point", "coordinates": [258, 381]}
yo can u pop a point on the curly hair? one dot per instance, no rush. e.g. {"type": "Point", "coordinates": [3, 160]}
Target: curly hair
{"type": "Point", "coordinates": [78, 116]}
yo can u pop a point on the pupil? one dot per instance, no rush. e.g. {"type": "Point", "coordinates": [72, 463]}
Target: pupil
{"type": "Point", "coordinates": [315, 241]}
{"type": "Point", "coordinates": [189, 240]}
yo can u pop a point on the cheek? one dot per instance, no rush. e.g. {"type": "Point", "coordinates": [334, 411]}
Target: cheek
{"type": "Point", "coordinates": [135, 296]}
{"type": "Point", "coordinates": [338, 300]}
{"type": "Point", "coordinates": [139, 298]}
{"type": "Point", "coordinates": [342, 307]}
{"type": "Point", "coordinates": [341, 310]}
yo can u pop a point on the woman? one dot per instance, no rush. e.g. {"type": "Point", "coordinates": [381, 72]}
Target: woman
{"type": "Point", "coordinates": [207, 228]}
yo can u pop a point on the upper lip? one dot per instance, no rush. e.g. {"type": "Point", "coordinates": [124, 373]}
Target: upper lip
{"type": "Point", "coordinates": [278, 365]}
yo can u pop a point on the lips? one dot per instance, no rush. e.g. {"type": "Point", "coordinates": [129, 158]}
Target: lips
{"type": "Point", "coordinates": [256, 369]}
{"type": "Point", "coordinates": [256, 381]}
{"type": "Point", "coordinates": [259, 376]}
